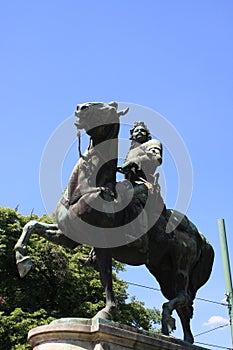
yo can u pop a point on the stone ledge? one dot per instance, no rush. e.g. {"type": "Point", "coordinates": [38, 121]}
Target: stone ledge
{"type": "Point", "coordinates": [99, 334]}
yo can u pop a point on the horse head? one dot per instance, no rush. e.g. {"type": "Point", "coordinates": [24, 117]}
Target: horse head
{"type": "Point", "coordinates": [100, 120]}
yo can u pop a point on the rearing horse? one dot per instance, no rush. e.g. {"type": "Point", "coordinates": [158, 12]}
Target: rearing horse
{"type": "Point", "coordinates": [92, 183]}
{"type": "Point", "coordinates": [181, 261]}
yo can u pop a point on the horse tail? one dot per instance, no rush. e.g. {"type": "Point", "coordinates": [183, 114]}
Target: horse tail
{"type": "Point", "coordinates": [202, 270]}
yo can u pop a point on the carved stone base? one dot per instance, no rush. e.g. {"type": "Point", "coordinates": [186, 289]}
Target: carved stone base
{"type": "Point", "coordinates": [99, 334]}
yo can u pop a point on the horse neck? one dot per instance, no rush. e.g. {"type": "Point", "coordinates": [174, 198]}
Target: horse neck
{"type": "Point", "coordinates": [98, 165]}
{"type": "Point", "coordinates": [107, 150]}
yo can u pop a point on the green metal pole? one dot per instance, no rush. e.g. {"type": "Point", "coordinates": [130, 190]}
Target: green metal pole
{"type": "Point", "coordinates": [227, 271]}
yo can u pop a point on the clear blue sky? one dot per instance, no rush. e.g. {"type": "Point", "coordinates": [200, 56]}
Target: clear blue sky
{"type": "Point", "coordinates": [175, 57]}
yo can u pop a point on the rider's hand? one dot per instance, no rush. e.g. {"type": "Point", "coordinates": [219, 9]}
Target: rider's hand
{"type": "Point", "coordinates": [129, 166]}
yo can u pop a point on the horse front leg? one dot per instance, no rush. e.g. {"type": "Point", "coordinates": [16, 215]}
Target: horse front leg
{"type": "Point", "coordinates": [49, 231]}
{"type": "Point", "coordinates": [23, 261]}
{"type": "Point", "coordinates": [104, 261]}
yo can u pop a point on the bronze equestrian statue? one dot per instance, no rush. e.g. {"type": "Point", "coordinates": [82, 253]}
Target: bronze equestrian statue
{"type": "Point", "coordinates": [180, 260]}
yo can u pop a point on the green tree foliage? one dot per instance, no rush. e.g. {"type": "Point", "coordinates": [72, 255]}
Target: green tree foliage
{"type": "Point", "coordinates": [57, 286]}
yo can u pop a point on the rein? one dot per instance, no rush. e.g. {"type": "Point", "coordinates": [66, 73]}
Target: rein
{"type": "Point", "coordinates": [79, 144]}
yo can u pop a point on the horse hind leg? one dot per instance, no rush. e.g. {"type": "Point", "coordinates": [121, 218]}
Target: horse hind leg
{"type": "Point", "coordinates": [182, 303]}
{"type": "Point", "coordinates": [185, 314]}
{"type": "Point", "coordinates": [168, 322]}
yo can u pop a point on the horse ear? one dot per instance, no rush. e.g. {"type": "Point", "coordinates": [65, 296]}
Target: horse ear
{"type": "Point", "coordinates": [123, 112]}
{"type": "Point", "coordinates": [113, 104]}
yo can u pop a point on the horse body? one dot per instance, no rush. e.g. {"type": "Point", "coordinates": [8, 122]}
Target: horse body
{"type": "Point", "coordinates": [181, 261]}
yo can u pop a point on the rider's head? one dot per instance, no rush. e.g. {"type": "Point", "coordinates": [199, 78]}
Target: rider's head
{"type": "Point", "coordinates": [140, 132]}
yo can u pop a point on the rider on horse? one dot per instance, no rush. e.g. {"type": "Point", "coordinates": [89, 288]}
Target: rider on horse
{"type": "Point", "coordinates": [144, 156]}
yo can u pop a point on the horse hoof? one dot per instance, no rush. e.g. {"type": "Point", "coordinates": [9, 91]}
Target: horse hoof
{"type": "Point", "coordinates": [24, 266]}
{"type": "Point", "coordinates": [189, 339]}
{"type": "Point", "coordinates": [84, 261]}
{"type": "Point", "coordinates": [168, 325]}
{"type": "Point", "coordinates": [89, 262]}
{"type": "Point", "coordinates": [103, 314]}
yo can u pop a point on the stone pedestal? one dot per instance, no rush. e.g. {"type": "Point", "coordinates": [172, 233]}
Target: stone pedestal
{"type": "Point", "coordinates": [99, 334]}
